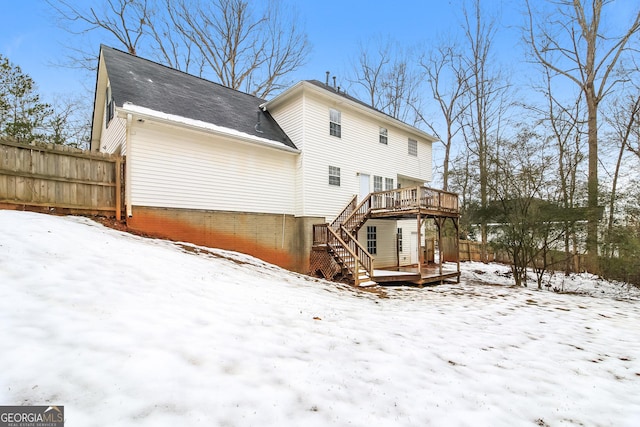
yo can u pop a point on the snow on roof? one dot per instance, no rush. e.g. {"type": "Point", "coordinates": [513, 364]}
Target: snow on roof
{"type": "Point", "coordinates": [198, 124]}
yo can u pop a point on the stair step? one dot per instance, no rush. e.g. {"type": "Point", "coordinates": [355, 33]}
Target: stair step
{"type": "Point", "coordinates": [367, 284]}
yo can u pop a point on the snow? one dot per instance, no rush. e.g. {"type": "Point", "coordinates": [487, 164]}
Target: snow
{"type": "Point", "coordinates": [128, 107]}
{"type": "Point", "coordinates": [128, 331]}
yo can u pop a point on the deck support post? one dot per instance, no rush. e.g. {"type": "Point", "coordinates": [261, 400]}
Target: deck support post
{"type": "Point", "coordinates": [456, 224]}
{"type": "Point", "coordinates": [439, 224]}
{"type": "Point", "coordinates": [420, 253]}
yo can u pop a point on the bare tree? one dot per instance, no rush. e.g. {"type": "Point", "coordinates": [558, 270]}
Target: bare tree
{"type": "Point", "coordinates": [285, 50]}
{"type": "Point", "coordinates": [565, 122]}
{"type": "Point", "coordinates": [573, 44]}
{"type": "Point", "coordinates": [172, 46]}
{"type": "Point", "coordinates": [486, 93]}
{"type": "Point", "coordinates": [125, 20]}
{"type": "Point", "coordinates": [370, 70]}
{"type": "Point", "coordinates": [447, 77]}
{"type": "Point", "coordinates": [386, 73]}
{"type": "Point", "coordinates": [527, 226]}
{"type": "Point", "coordinates": [623, 118]}
{"type": "Point", "coordinates": [69, 123]}
{"type": "Point", "coordinates": [234, 42]}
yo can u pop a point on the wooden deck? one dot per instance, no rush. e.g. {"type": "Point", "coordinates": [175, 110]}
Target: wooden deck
{"type": "Point", "coordinates": [336, 252]}
{"type": "Point", "coordinates": [410, 274]}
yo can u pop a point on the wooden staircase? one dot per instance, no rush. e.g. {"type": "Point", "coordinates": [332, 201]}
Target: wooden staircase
{"type": "Point", "coordinates": [354, 261]}
{"type": "Point", "coordinates": [337, 254]}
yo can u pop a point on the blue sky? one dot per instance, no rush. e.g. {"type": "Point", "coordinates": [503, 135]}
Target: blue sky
{"type": "Point", "coordinates": [30, 38]}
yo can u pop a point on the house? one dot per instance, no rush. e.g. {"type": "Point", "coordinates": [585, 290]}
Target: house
{"type": "Point", "coordinates": [221, 168]}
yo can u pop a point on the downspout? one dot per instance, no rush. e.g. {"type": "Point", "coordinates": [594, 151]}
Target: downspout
{"type": "Point", "coordinates": [127, 169]}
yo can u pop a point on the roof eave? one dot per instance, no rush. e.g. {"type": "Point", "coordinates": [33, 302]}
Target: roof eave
{"type": "Point", "coordinates": [203, 127]}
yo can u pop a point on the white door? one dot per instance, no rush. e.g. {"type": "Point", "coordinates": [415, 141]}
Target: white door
{"type": "Point", "coordinates": [413, 248]}
{"type": "Point", "coordinates": [365, 182]}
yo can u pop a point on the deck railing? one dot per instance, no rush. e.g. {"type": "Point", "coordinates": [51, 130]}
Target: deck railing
{"type": "Point", "coordinates": [320, 234]}
{"type": "Point", "coordinates": [410, 198]}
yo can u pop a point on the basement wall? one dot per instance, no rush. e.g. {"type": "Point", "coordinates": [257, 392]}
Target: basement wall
{"type": "Point", "coordinates": [280, 239]}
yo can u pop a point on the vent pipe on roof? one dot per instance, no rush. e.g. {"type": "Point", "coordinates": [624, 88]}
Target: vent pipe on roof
{"type": "Point", "coordinates": [327, 80]}
{"type": "Point", "coordinates": [258, 126]}
{"type": "Point", "coordinates": [334, 82]}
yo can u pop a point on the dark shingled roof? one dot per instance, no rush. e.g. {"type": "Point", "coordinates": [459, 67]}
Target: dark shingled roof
{"type": "Point", "coordinates": [151, 85]}
{"type": "Point", "coordinates": [344, 94]}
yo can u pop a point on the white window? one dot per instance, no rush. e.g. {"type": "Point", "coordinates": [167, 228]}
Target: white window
{"type": "Point", "coordinates": [334, 176]}
{"type": "Point", "coordinates": [377, 183]}
{"type": "Point", "coordinates": [388, 184]}
{"type": "Point", "coordinates": [372, 237]}
{"type": "Point", "coordinates": [413, 147]}
{"type": "Point", "coordinates": [110, 107]}
{"type": "Point", "coordinates": [384, 136]}
{"type": "Point", "coordinates": [335, 127]}
{"type": "Point", "coordinates": [399, 239]}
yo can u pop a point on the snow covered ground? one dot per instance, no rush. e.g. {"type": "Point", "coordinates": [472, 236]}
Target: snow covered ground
{"type": "Point", "coordinates": [128, 331]}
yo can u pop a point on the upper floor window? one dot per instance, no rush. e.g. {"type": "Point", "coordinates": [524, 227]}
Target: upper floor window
{"type": "Point", "coordinates": [377, 183]}
{"type": "Point", "coordinates": [335, 127]}
{"type": "Point", "coordinates": [334, 175]}
{"type": "Point", "coordinates": [384, 136]}
{"type": "Point", "coordinates": [413, 147]}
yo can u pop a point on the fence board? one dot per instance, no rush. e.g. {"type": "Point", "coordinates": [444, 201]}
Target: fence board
{"type": "Point", "coordinates": [44, 175]}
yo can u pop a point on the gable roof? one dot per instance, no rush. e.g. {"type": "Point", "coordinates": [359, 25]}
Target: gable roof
{"type": "Point", "coordinates": [156, 87]}
{"type": "Point", "coordinates": [330, 91]}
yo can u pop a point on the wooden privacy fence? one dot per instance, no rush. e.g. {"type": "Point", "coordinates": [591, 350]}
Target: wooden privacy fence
{"type": "Point", "coordinates": [471, 251]}
{"type": "Point", "coordinates": [468, 250]}
{"type": "Point", "coordinates": [61, 177]}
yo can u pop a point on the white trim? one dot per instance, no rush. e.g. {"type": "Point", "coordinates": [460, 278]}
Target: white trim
{"type": "Point", "coordinates": [147, 113]}
{"type": "Point", "coordinates": [127, 169]}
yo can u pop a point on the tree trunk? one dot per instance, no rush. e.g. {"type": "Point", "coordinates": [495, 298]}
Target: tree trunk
{"type": "Point", "coordinates": [593, 215]}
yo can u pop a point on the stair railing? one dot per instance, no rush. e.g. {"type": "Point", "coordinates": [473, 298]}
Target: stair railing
{"type": "Point", "coordinates": [361, 211]}
{"type": "Point", "coordinates": [363, 256]}
{"type": "Point", "coordinates": [344, 214]}
{"type": "Point", "coordinates": [344, 253]}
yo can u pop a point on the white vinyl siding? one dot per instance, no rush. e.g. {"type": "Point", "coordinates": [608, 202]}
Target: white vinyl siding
{"type": "Point", "coordinates": [289, 118]}
{"type": "Point", "coordinates": [385, 231]}
{"type": "Point", "coordinates": [184, 169]}
{"type": "Point", "coordinates": [112, 139]}
{"type": "Point", "coordinates": [357, 152]}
